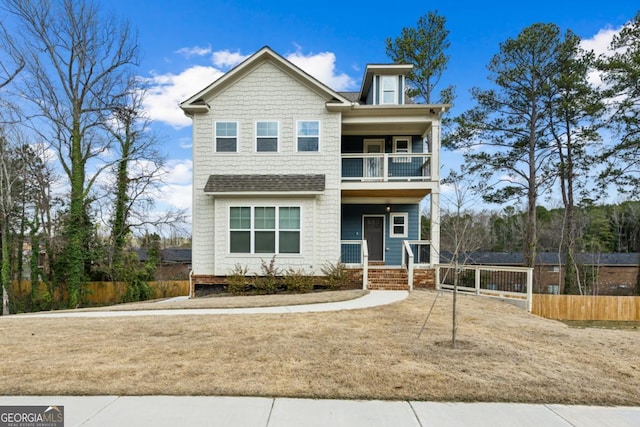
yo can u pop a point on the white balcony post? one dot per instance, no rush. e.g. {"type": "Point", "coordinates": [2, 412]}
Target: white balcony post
{"type": "Point", "coordinates": [435, 151]}
{"type": "Point", "coordinates": [385, 167]}
{"type": "Point", "coordinates": [365, 265]}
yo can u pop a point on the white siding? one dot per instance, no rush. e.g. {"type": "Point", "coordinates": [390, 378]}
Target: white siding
{"type": "Point", "coordinates": [266, 93]}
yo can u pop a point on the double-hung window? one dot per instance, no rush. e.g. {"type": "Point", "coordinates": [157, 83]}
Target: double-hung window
{"type": "Point", "coordinates": [308, 135]}
{"type": "Point", "coordinates": [289, 230]}
{"type": "Point", "coordinates": [226, 140]}
{"type": "Point", "coordinates": [264, 230]}
{"type": "Point", "coordinates": [388, 90]}
{"type": "Point", "coordinates": [240, 229]}
{"type": "Point", "coordinates": [399, 224]}
{"type": "Point", "coordinates": [266, 136]}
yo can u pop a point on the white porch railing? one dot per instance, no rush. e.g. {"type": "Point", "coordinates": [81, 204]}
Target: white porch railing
{"type": "Point", "coordinates": [421, 251]}
{"type": "Point", "coordinates": [355, 254]}
{"type": "Point", "coordinates": [515, 283]}
{"type": "Point", "coordinates": [386, 167]}
{"type": "Point", "coordinates": [406, 249]}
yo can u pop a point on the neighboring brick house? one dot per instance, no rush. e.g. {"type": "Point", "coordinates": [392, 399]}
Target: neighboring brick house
{"type": "Point", "coordinates": [283, 165]}
{"type": "Point", "coordinates": [601, 273]}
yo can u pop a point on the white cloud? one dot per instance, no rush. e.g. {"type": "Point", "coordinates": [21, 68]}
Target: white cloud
{"type": "Point", "coordinates": [600, 42]}
{"type": "Point", "coordinates": [185, 143]}
{"type": "Point", "coordinates": [178, 196]}
{"type": "Point", "coordinates": [322, 66]}
{"type": "Point", "coordinates": [227, 59]}
{"type": "Point", "coordinates": [188, 52]}
{"type": "Point", "coordinates": [166, 91]}
{"type": "Point", "coordinates": [178, 171]}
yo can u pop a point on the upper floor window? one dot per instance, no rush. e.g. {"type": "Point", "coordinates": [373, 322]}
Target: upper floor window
{"type": "Point", "coordinates": [308, 135]}
{"type": "Point", "coordinates": [226, 140]}
{"type": "Point", "coordinates": [401, 145]}
{"type": "Point", "coordinates": [267, 136]}
{"type": "Point", "coordinates": [388, 90]}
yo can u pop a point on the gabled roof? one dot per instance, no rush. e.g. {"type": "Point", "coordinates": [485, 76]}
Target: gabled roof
{"type": "Point", "coordinates": [198, 102]}
{"type": "Point", "coordinates": [381, 69]}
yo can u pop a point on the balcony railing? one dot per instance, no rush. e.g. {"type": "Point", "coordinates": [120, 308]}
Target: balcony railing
{"type": "Point", "coordinates": [386, 167]}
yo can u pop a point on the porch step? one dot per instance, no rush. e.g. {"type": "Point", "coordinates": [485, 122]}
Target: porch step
{"type": "Point", "coordinates": [391, 279]}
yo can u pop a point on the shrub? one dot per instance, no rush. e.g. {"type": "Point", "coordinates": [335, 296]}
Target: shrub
{"type": "Point", "coordinates": [336, 274]}
{"type": "Point", "coordinates": [297, 281]}
{"type": "Point", "coordinates": [269, 281]}
{"type": "Point", "coordinates": [237, 279]}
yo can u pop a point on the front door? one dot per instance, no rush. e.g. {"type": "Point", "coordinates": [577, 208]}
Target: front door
{"type": "Point", "coordinates": [373, 165]}
{"type": "Point", "coordinates": [374, 235]}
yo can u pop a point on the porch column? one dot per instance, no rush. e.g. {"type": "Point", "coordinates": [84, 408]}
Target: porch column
{"type": "Point", "coordinates": [435, 150]}
{"type": "Point", "coordinates": [435, 229]}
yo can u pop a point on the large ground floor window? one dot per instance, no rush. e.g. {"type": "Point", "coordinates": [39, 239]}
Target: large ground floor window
{"type": "Point", "coordinates": [264, 229]}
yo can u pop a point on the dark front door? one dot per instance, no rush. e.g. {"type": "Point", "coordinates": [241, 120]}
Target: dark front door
{"type": "Point", "coordinates": [374, 235]}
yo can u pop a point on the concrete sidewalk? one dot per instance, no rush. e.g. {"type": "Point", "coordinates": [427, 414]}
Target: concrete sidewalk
{"type": "Point", "coordinates": [372, 299]}
{"type": "Point", "coordinates": [159, 411]}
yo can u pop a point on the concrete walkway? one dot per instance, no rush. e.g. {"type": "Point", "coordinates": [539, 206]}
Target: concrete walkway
{"type": "Point", "coordinates": [159, 411]}
{"type": "Point", "coordinates": [372, 299]}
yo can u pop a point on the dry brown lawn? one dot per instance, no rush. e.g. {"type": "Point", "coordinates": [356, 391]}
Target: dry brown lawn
{"type": "Point", "coordinates": [505, 354]}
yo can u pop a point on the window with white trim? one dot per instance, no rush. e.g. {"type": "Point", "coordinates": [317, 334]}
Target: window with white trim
{"type": "Point", "coordinates": [264, 229]}
{"type": "Point", "coordinates": [388, 90]}
{"type": "Point", "coordinates": [266, 137]}
{"type": "Point", "coordinates": [399, 224]}
{"type": "Point", "coordinates": [308, 135]}
{"type": "Point", "coordinates": [401, 145]}
{"type": "Point", "coordinates": [226, 140]}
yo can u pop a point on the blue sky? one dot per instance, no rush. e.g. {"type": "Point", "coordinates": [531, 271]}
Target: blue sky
{"type": "Point", "coordinates": [187, 44]}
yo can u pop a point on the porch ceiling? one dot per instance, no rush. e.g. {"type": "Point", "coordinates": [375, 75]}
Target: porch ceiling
{"type": "Point", "coordinates": [414, 193]}
{"type": "Point", "coordinates": [413, 119]}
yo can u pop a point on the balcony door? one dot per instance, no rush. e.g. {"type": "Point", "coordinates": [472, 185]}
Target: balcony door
{"type": "Point", "coordinates": [373, 232]}
{"type": "Point", "coordinates": [373, 166]}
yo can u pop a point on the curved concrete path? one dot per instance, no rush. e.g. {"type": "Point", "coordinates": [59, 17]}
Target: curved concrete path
{"type": "Point", "coordinates": [372, 299]}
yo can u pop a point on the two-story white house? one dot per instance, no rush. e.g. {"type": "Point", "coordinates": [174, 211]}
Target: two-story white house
{"type": "Point", "coordinates": [284, 165]}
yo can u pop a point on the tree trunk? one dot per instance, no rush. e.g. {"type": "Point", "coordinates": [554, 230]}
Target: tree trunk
{"type": "Point", "coordinates": [77, 224]}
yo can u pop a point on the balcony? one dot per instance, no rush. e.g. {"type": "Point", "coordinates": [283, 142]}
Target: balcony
{"type": "Point", "coordinates": [387, 175]}
{"type": "Point", "coordinates": [386, 167]}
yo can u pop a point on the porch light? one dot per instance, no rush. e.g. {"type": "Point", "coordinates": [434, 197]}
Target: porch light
{"type": "Point", "coordinates": [388, 208]}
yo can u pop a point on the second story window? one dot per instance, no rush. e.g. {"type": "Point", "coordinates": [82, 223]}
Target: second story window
{"type": "Point", "coordinates": [388, 90]}
{"type": "Point", "coordinates": [401, 145]}
{"type": "Point", "coordinates": [226, 140]}
{"type": "Point", "coordinates": [266, 136]}
{"type": "Point", "coordinates": [308, 135]}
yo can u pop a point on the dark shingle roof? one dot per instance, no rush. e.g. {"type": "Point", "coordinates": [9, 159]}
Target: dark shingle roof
{"type": "Point", "coordinates": [168, 255]}
{"type": "Point", "coordinates": [264, 183]}
{"type": "Point", "coordinates": [542, 258]}
{"type": "Point", "coordinates": [351, 96]}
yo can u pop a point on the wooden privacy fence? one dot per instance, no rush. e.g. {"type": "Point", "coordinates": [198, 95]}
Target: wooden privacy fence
{"type": "Point", "coordinates": [101, 293]}
{"type": "Point", "coordinates": [586, 307]}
